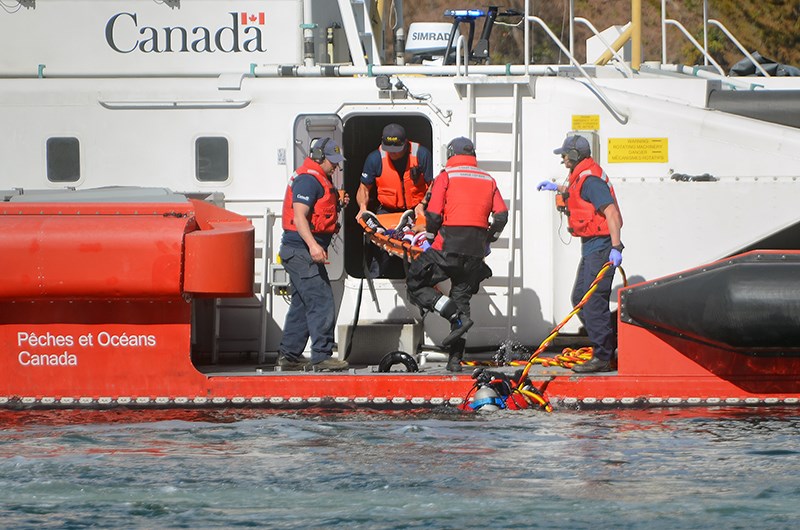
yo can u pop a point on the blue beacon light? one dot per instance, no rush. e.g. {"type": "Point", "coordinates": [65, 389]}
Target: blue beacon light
{"type": "Point", "coordinates": [464, 13]}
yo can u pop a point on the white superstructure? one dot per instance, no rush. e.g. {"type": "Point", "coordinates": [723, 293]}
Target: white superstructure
{"type": "Point", "coordinates": [221, 99]}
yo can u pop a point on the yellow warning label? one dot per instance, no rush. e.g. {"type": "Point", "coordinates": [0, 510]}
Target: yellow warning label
{"type": "Point", "coordinates": [632, 150]}
{"type": "Point", "coordinates": [585, 122]}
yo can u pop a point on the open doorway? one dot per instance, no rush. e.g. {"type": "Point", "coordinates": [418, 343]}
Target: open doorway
{"type": "Point", "coordinates": [362, 135]}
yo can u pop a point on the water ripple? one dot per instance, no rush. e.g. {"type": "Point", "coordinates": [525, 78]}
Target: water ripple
{"type": "Point", "coordinates": [650, 468]}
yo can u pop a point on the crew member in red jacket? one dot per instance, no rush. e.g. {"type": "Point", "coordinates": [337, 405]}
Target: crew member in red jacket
{"type": "Point", "coordinates": [459, 233]}
{"type": "Point", "coordinates": [593, 215]}
{"type": "Point", "coordinates": [310, 219]}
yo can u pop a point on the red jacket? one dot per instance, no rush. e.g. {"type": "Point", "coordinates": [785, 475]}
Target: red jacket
{"type": "Point", "coordinates": [323, 216]}
{"type": "Point", "coordinates": [584, 219]}
{"type": "Point", "coordinates": [394, 192]}
{"type": "Point", "coordinates": [462, 198]}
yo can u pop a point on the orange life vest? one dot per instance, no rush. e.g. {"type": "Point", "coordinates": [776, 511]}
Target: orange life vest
{"type": "Point", "coordinates": [584, 219]}
{"type": "Point", "coordinates": [323, 217]}
{"type": "Point", "coordinates": [394, 192]}
{"type": "Point", "coordinates": [470, 192]}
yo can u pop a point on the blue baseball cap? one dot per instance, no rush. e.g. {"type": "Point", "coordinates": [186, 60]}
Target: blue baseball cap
{"type": "Point", "coordinates": [393, 138]}
{"type": "Point", "coordinates": [460, 146]}
{"type": "Point", "coordinates": [575, 143]}
{"type": "Point", "coordinates": [330, 149]}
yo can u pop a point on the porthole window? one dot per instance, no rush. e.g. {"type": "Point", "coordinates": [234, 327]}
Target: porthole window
{"type": "Point", "coordinates": [211, 159]}
{"type": "Point", "coordinates": [63, 159]}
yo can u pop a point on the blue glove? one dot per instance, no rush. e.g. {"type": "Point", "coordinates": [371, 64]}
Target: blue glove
{"type": "Point", "coordinates": [425, 246]}
{"type": "Point", "coordinates": [547, 185]}
{"type": "Point", "coordinates": [487, 250]}
{"type": "Point", "coordinates": [615, 257]}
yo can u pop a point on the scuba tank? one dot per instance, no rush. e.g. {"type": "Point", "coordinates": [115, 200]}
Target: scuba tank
{"type": "Point", "coordinates": [486, 399]}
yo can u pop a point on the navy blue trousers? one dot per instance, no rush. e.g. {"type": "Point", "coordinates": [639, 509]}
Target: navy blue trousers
{"type": "Point", "coordinates": [595, 315]}
{"type": "Point", "coordinates": [312, 312]}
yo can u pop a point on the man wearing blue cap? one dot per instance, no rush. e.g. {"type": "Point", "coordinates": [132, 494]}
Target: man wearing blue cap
{"type": "Point", "coordinates": [400, 172]}
{"type": "Point", "coordinates": [593, 215]}
{"type": "Point", "coordinates": [311, 208]}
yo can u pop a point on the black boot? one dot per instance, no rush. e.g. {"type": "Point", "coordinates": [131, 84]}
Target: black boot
{"type": "Point", "coordinates": [459, 324]}
{"type": "Point", "coordinates": [456, 355]}
{"type": "Point", "coordinates": [594, 365]}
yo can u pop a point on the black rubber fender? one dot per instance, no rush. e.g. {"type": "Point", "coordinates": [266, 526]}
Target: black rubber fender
{"type": "Point", "coordinates": [398, 357]}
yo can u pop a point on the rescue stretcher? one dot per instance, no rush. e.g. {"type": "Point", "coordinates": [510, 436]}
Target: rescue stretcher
{"type": "Point", "coordinates": [399, 234]}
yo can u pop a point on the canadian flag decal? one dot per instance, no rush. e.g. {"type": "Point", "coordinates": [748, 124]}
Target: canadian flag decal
{"type": "Point", "coordinates": [252, 18]}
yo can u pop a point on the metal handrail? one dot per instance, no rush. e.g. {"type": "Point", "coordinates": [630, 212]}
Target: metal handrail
{"type": "Point", "coordinates": [739, 45]}
{"type": "Point", "coordinates": [696, 44]}
{"type": "Point", "coordinates": [614, 53]}
{"type": "Point", "coordinates": [704, 48]}
{"type": "Point", "coordinates": [459, 45]}
{"type": "Point", "coordinates": [515, 186]}
{"type": "Point", "coordinates": [267, 301]}
{"type": "Point", "coordinates": [618, 115]}
{"type": "Point", "coordinates": [526, 39]}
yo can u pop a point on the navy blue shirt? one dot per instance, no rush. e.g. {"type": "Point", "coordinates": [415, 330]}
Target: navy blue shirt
{"type": "Point", "coordinates": [597, 192]}
{"type": "Point", "coordinates": [373, 165]}
{"type": "Point", "coordinates": [306, 190]}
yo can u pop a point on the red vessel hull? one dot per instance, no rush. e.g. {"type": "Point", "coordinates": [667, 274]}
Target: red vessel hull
{"type": "Point", "coordinates": [652, 370]}
{"type": "Point", "coordinates": [86, 321]}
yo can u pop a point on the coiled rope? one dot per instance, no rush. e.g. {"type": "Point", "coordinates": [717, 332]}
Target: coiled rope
{"type": "Point", "coordinates": [549, 339]}
{"type": "Point", "coordinates": [568, 356]}
{"type": "Point", "coordinates": [567, 359]}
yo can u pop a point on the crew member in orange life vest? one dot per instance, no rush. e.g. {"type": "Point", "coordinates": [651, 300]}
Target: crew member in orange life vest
{"type": "Point", "coordinates": [594, 216]}
{"type": "Point", "coordinates": [459, 233]}
{"type": "Point", "coordinates": [310, 219]}
{"type": "Point", "coordinates": [401, 171]}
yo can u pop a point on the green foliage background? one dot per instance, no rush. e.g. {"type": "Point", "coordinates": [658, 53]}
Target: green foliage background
{"type": "Point", "coordinates": [771, 27]}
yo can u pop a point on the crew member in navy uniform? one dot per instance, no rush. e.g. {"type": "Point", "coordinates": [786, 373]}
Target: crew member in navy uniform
{"type": "Point", "coordinates": [459, 233]}
{"type": "Point", "coordinates": [594, 216]}
{"type": "Point", "coordinates": [401, 171]}
{"type": "Point", "coordinates": [310, 219]}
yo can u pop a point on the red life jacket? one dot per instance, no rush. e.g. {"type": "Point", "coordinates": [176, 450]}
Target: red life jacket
{"type": "Point", "coordinates": [584, 219]}
{"type": "Point", "coordinates": [470, 192]}
{"type": "Point", "coordinates": [394, 192]}
{"type": "Point", "coordinates": [323, 215]}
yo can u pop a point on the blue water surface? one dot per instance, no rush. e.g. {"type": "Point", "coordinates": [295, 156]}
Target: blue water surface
{"type": "Point", "coordinates": [229, 468]}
